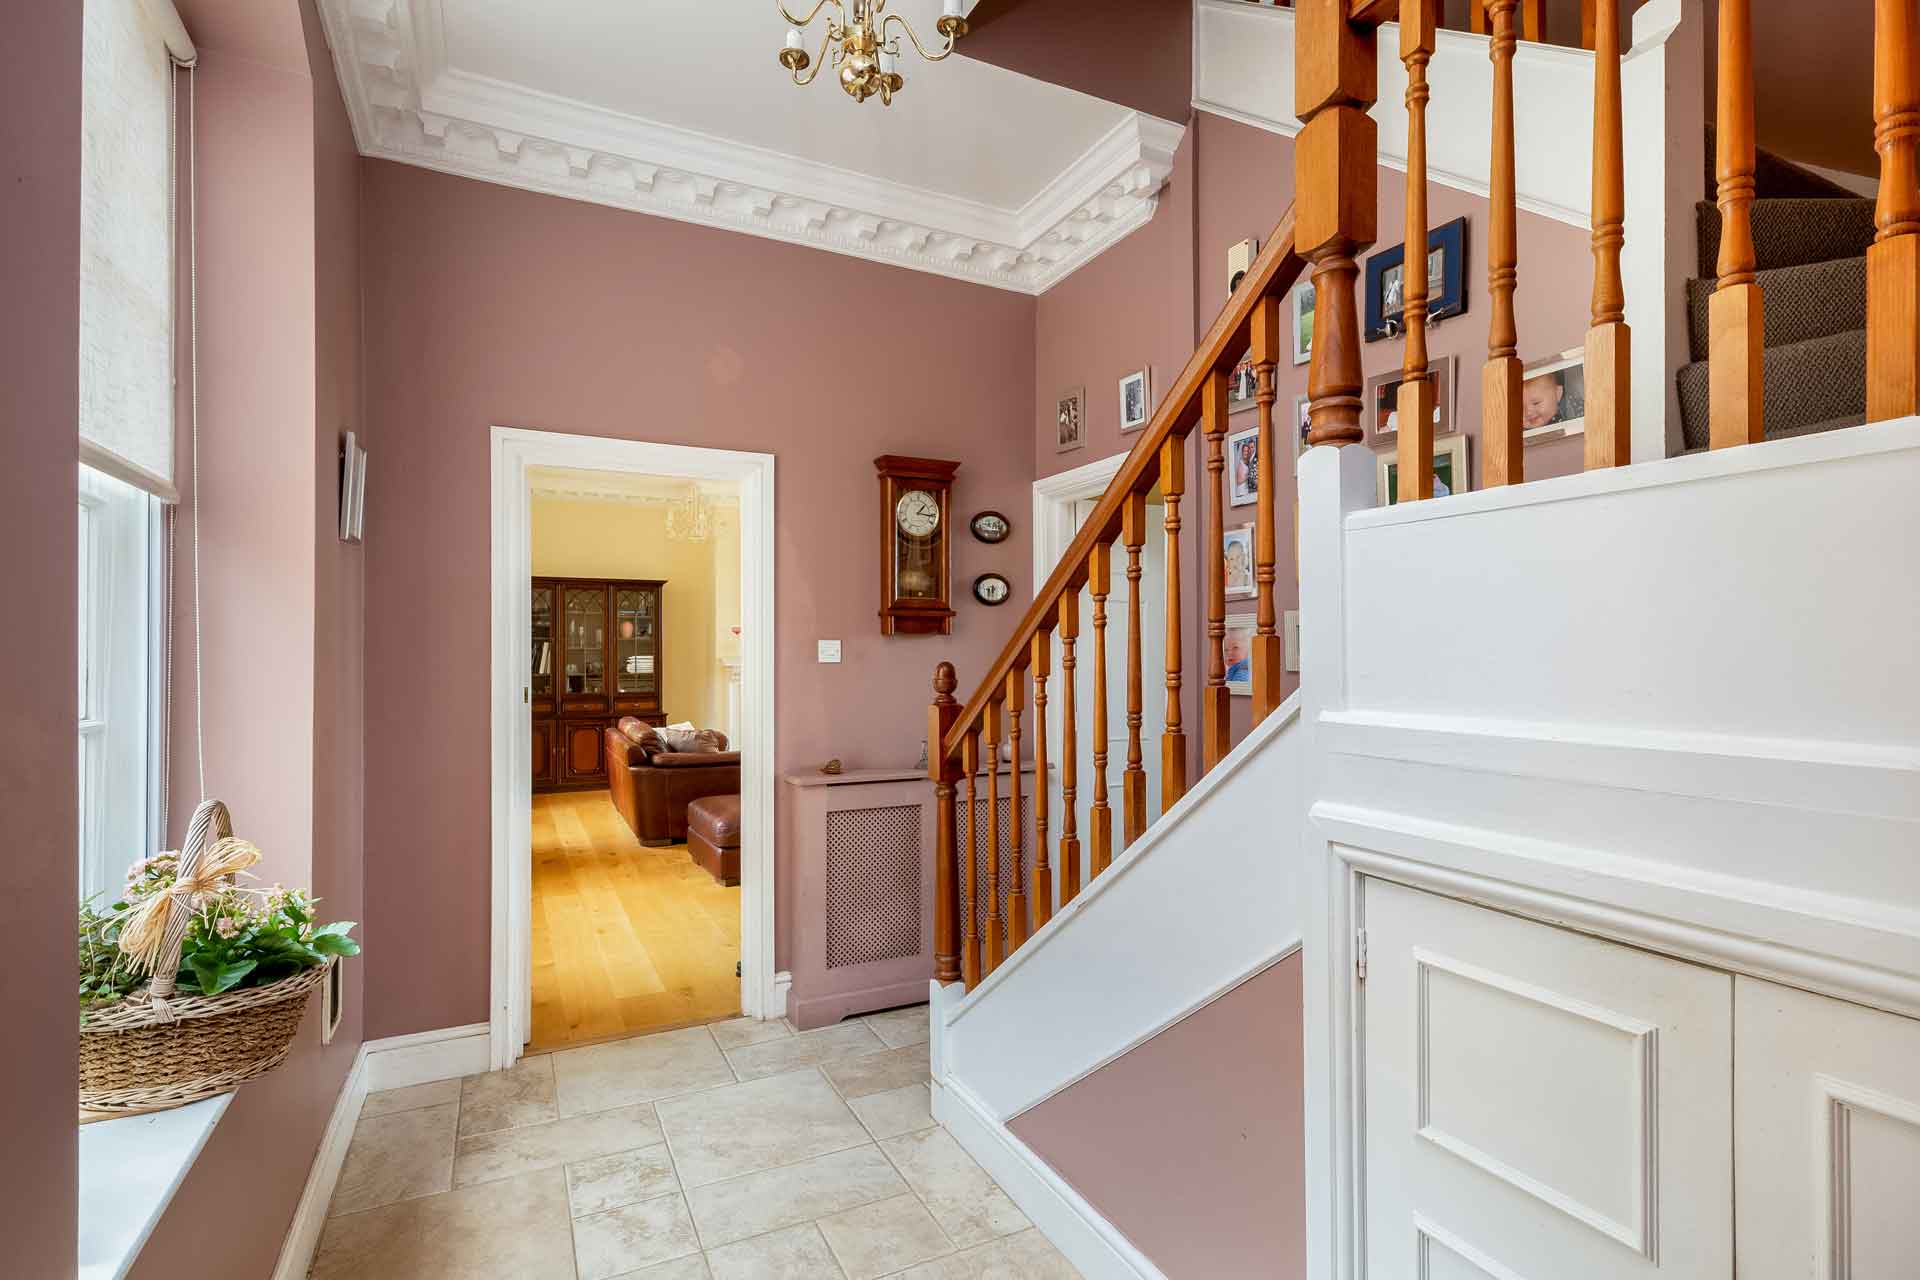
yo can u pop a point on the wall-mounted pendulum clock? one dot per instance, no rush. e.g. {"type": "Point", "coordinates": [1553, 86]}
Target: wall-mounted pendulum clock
{"type": "Point", "coordinates": [915, 537]}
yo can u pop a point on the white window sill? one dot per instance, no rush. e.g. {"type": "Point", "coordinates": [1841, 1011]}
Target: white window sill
{"type": "Point", "coordinates": [129, 1170]}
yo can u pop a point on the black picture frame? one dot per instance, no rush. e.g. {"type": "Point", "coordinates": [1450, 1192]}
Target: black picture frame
{"type": "Point", "coordinates": [1445, 301]}
{"type": "Point", "coordinates": [979, 584]}
{"type": "Point", "coordinates": [1006, 527]}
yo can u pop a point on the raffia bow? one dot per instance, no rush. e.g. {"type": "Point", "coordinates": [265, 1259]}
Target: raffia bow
{"type": "Point", "coordinates": [157, 926]}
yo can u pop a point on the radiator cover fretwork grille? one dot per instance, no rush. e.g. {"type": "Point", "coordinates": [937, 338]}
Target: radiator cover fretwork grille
{"type": "Point", "coordinates": [873, 885]}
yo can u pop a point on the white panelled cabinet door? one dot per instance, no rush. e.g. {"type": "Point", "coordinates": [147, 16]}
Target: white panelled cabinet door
{"type": "Point", "coordinates": [1827, 1113]}
{"type": "Point", "coordinates": [1539, 1104]}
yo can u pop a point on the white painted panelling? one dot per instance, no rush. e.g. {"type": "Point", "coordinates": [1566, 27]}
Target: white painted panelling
{"type": "Point", "coordinates": [1213, 885]}
{"type": "Point", "coordinates": [1559, 1098]}
{"type": "Point", "coordinates": [678, 109]}
{"type": "Point", "coordinates": [1828, 1137]}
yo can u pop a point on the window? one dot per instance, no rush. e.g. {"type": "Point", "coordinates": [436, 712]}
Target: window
{"type": "Point", "coordinates": [125, 483]}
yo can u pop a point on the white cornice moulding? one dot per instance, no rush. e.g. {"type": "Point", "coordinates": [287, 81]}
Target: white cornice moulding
{"type": "Point", "coordinates": [407, 105]}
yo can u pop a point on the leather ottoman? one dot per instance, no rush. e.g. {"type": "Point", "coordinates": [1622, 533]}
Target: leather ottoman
{"type": "Point", "coordinates": [713, 836]}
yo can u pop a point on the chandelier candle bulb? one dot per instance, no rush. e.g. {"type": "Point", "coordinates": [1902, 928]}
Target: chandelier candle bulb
{"type": "Point", "coordinates": [953, 8]}
{"type": "Point", "coordinates": [793, 38]}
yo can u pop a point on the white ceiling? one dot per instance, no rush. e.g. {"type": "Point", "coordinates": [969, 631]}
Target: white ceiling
{"type": "Point", "coordinates": [680, 108]}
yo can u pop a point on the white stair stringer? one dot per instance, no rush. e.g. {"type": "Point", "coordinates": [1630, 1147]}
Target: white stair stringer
{"type": "Point", "coordinates": [1205, 899]}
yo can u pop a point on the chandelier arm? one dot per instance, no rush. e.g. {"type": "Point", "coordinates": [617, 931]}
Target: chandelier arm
{"type": "Point", "coordinates": [811, 14]}
{"type": "Point", "coordinates": [813, 72]}
{"type": "Point", "coordinates": [911, 35]}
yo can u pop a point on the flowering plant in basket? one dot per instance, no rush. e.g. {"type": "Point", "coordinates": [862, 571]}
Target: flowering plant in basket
{"type": "Point", "coordinates": [236, 936]}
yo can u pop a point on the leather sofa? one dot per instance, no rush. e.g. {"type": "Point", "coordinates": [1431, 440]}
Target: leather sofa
{"type": "Point", "coordinates": [652, 786]}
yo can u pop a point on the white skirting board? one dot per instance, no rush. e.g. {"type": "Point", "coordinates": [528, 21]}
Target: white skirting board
{"type": "Point", "coordinates": [1089, 1241]}
{"type": "Point", "coordinates": [393, 1063]}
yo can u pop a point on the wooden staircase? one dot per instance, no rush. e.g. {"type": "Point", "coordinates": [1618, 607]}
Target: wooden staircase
{"type": "Point", "coordinates": [995, 888]}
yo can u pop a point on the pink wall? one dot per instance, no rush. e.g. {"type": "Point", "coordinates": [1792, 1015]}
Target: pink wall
{"type": "Point", "coordinates": [39, 367]}
{"type": "Point", "coordinates": [486, 306]}
{"type": "Point", "coordinates": [279, 313]}
{"type": "Point", "coordinates": [1135, 52]}
{"type": "Point", "coordinates": [1218, 1097]}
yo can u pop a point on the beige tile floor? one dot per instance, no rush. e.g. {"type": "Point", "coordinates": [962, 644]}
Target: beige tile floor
{"type": "Point", "coordinates": [736, 1151]}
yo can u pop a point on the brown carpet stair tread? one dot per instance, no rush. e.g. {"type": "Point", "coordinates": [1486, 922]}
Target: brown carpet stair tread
{"type": "Point", "coordinates": [1820, 382]}
{"type": "Point", "coordinates": [1812, 301]}
{"type": "Point", "coordinates": [1793, 232]}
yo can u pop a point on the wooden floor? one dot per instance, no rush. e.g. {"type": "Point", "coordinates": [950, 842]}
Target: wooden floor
{"type": "Point", "coordinates": [625, 938]}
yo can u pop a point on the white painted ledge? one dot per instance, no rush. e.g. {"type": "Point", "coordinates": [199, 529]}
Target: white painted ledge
{"type": "Point", "coordinates": [129, 1170]}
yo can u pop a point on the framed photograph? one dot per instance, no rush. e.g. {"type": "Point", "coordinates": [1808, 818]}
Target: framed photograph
{"type": "Point", "coordinates": [1553, 397]}
{"type": "Point", "coordinates": [1290, 640]}
{"type": "Point", "coordinates": [353, 490]}
{"type": "Point", "coordinates": [1303, 322]}
{"type": "Point", "coordinates": [1237, 648]}
{"type": "Point", "coordinates": [1243, 467]}
{"type": "Point", "coordinates": [1383, 403]}
{"type": "Point", "coordinates": [1446, 282]}
{"type": "Point", "coordinates": [1240, 261]}
{"type": "Point", "coordinates": [1302, 424]}
{"type": "Point", "coordinates": [1241, 386]}
{"type": "Point", "coordinates": [1070, 421]}
{"type": "Point", "coordinates": [1136, 401]}
{"type": "Point", "coordinates": [1450, 473]}
{"type": "Point", "coordinates": [1236, 553]}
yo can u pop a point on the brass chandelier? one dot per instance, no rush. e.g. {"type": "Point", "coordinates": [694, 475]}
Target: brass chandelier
{"type": "Point", "coordinates": [865, 45]}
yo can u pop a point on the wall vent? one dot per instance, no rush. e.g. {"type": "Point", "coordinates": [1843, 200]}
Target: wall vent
{"type": "Point", "coordinates": [873, 885]}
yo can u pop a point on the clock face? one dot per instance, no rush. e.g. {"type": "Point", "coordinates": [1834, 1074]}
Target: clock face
{"type": "Point", "coordinates": [991, 588]}
{"type": "Point", "coordinates": [917, 513]}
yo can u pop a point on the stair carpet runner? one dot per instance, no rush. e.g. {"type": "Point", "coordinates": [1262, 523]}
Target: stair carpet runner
{"type": "Point", "coordinates": [1811, 239]}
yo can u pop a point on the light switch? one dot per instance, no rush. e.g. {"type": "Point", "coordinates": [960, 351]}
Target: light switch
{"type": "Point", "coordinates": [829, 651]}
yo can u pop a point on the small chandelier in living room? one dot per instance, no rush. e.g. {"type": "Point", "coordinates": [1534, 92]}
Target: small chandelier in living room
{"type": "Point", "coordinates": [690, 519]}
{"type": "Point", "coordinates": [865, 45]}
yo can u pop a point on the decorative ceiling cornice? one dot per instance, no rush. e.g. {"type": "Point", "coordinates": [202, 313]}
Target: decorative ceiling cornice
{"type": "Point", "coordinates": [407, 105]}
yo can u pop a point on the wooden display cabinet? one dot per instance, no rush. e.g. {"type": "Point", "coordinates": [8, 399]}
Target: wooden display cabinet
{"type": "Point", "coordinates": [597, 657]}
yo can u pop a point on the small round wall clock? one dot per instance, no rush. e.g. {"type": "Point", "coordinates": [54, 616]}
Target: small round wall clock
{"type": "Point", "coordinates": [991, 588]}
{"type": "Point", "coordinates": [991, 526]}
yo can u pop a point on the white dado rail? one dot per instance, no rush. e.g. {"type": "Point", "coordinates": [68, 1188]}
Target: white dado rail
{"type": "Point", "coordinates": [1243, 68]}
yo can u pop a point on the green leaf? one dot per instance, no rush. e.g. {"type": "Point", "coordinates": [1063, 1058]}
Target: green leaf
{"type": "Point", "coordinates": [335, 944]}
{"type": "Point", "coordinates": [206, 974]}
{"type": "Point", "coordinates": [341, 927]}
{"type": "Point", "coordinates": [230, 976]}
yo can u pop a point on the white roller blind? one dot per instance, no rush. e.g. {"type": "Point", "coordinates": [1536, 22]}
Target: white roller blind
{"type": "Point", "coordinates": [126, 247]}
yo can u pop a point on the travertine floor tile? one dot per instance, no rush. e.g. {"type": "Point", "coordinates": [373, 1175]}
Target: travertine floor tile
{"type": "Point", "coordinates": [878, 1239]}
{"type": "Point", "coordinates": [516, 1229]}
{"type": "Point", "coordinates": [745, 1128]}
{"type": "Point", "coordinates": [888, 1115]}
{"type": "Point", "coordinates": [623, 1240]}
{"type": "Point", "coordinates": [623, 1072]}
{"type": "Point", "coordinates": [397, 1156]}
{"type": "Point", "coordinates": [488, 1156]}
{"type": "Point", "coordinates": [809, 1048]}
{"type": "Point", "coordinates": [1025, 1256]}
{"type": "Point", "coordinates": [737, 1033]}
{"type": "Point", "coordinates": [797, 1253]}
{"type": "Point", "coordinates": [626, 1177]}
{"type": "Point", "coordinates": [412, 1098]}
{"type": "Point", "coordinates": [522, 1094]}
{"type": "Point", "coordinates": [958, 1192]}
{"type": "Point", "coordinates": [691, 1267]}
{"type": "Point", "coordinates": [757, 1203]}
{"type": "Point", "coordinates": [878, 1072]}
{"type": "Point", "coordinates": [898, 1028]}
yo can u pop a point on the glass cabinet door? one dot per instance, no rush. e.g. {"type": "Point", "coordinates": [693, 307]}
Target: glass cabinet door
{"type": "Point", "coordinates": [585, 616]}
{"type": "Point", "coordinates": [543, 655]}
{"type": "Point", "coordinates": [636, 651]}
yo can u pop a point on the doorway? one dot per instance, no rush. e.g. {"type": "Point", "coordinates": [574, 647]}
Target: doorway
{"type": "Point", "coordinates": [1061, 504]}
{"type": "Point", "coordinates": [572, 813]}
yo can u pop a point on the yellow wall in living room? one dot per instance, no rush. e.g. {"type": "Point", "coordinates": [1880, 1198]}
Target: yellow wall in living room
{"type": "Point", "coordinates": [583, 538]}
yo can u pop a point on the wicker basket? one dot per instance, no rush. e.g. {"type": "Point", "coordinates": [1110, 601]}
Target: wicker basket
{"type": "Point", "coordinates": [156, 1050]}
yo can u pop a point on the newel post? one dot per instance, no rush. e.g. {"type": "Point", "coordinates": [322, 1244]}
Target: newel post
{"type": "Point", "coordinates": [944, 771]}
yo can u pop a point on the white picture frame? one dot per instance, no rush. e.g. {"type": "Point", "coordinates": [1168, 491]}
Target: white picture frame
{"type": "Point", "coordinates": [1564, 378]}
{"type": "Point", "coordinates": [1236, 560]}
{"type": "Point", "coordinates": [353, 489]}
{"type": "Point", "coordinates": [1303, 322]}
{"type": "Point", "coordinates": [1243, 467]}
{"type": "Point", "coordinates": [1136, 400]}
{"type": "Point", "coordinates": [1451, 474]}
{"type": "Point", "coordinates": [1070, 420]}
{"type": "Point", "coordinates": [1237, 651]}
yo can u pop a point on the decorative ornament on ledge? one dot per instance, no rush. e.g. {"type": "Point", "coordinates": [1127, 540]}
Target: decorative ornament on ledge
{"type": "Point", "coordinates": [865, 45]}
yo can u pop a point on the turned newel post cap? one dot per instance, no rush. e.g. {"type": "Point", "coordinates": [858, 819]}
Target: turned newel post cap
{"type": "Point", "coordinates": [945, 681]}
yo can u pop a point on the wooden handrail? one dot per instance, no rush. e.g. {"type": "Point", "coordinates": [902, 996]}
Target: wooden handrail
{"type": "Point", "coordinates": [1274, 271]}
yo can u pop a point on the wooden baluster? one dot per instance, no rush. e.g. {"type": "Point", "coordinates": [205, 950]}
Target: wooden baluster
{"type": "Point", "coordinates": [1609, 341]}
{"type": "Point", "coordinates": [1590, 26]}
{"type": "Point", "coordinates": [1501, 439]}
{"type": "Point", "coordinates": [1533, 20]}
{"type": "Point", "coordinates": [1893, 260]}
{"type": "Point", "coordinates": [1069, 748]}
{"type": "Point", "coordinates": [1335, 168]}
{"type": "Point", "coordinates": [1216, 729]}
{"type": "Point", "coordinates": [1042, 659]}
{"type": "Point", "coordinates": [944, 770]}
{"type": "Point", "coordinates": [1099, 816]}
{"type": "Point", "coordinates": [992, 949]}
{"type": "Point", "coordinates": [1133, 801]}
{"type": "Point", "coordinates": [1477, 17]}
{"type": "Point", "coordinates": [1017, 897]}
{"type": "Point", "coordinates": [1266, 658]}
{"type": "Point", "coordinates": [1418, 395]}
{"type": "Point", "coordinates": [1736, 313]}
{"type": "Point", "coordinates": [970, 953]}
{"type": "Point", "coordinates": [1173, 742]}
